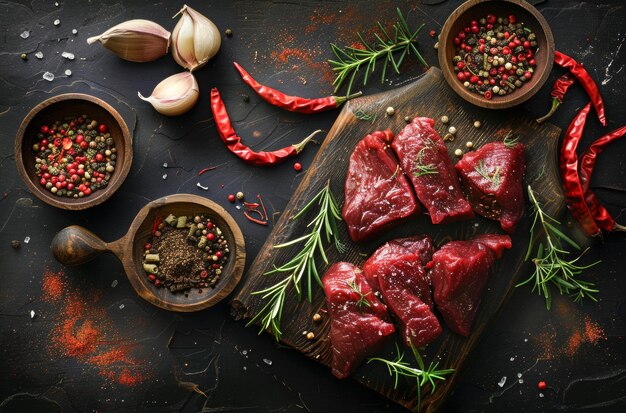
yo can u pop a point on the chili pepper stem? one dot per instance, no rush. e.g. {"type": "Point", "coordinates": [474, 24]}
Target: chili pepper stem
{"type": "Point", "coordinates": [340, 100]}
{"type": "Point", "coordinates": [300, 146]}
{"type": "Point", "coordinates": [619, 227]}
{"type": "Point", "coordinates": [555, 105]}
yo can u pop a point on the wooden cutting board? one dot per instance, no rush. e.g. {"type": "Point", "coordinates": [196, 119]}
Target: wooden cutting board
{"type": "Point", "coordinates": [428, 96]}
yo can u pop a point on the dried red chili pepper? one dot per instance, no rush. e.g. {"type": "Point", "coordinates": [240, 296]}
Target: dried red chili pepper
{"type": "Point", "coordinates": [233, 141]}
{"type": "Point", "coordinates": [251, 218]}
{"type": "Point", "coordinates": [559, 89]}
{"type": "Point", "coordinates": [574, 195]}
{"type": "Point", "coordinates": [587, 163]}
{"type": "Point", "coordinates": [210, 168]}
{"type": "Point", "coordinates": [581, 74]}
{"type": "Point", "coordinates": [293, 103]}
{"type": "Point", "coordinates": [155, 226]}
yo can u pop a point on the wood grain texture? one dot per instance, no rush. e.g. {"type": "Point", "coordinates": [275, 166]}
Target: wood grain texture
{"type": "Point", "coordinates": [71, 105]}
{"type": "Point", "coordinates": [76, 245]}
{"type": "Point", "coordinates": [477, 9]}
{"type": "Point", "coordinates": [428, 96]}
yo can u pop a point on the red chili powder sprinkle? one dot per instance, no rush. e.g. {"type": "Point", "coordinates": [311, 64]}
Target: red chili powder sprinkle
{"type": "Point", "coordinates": [53, 285]}
{"type": "Point", "coordinates": [573, 344]}
{"type": "Point", "coordinates": [84, 332]}
{"type": "Point", "coordinates": [593, 331]}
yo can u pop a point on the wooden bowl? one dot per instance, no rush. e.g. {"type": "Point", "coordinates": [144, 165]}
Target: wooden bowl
{"type": "Point", "coordinates": [61, 107]}
{"type": "Point", "coordinates": [76, 245]}
{"type": "Point", "coordinates": [477, 9]}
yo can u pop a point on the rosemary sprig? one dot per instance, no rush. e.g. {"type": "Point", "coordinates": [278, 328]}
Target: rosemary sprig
{"type": "Point", "coordinates": [510, 142]}
{"type": "Point", "coordinates": [323, 228]}
{"type": "Point", "coordinates": [362, 302]}
{"type": "Point", "coordinates": [361, 115]}
{"type": "Point", "coordinates": [552, 267]}
{"type": "Point", "coordinates": [398, 367]}
{"type": "Point", "coordinates": [351, 59]}
{"type": "Point", "coordinates": [494, 178]}
{"type": "Point", "coordinates": [429, 169]}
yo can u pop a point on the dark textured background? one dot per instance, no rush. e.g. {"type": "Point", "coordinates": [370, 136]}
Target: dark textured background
{"type": "Point", "coordinates": [284, 44]}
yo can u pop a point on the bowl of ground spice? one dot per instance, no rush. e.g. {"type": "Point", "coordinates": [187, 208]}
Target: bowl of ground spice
{"type": "Point", "coordinates": [496, 53]}
{"type": "Point", "coordinates": [182, 252]}
{"type": "Point", "coordinates": [73, 151]}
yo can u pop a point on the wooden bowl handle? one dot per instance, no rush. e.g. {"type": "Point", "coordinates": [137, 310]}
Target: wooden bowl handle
{"type": "Point", "coordinates": [76, 245]}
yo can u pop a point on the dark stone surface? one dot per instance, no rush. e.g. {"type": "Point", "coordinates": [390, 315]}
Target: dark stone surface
{"type": "Point", "coordinates": [284, 44]}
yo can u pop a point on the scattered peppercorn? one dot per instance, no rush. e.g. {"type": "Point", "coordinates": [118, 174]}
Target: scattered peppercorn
{"type": "Point", "coordinates": [310, 335]}
{"type": "Point", "coordinates": [245, 98]}
{"type": "Point", "coordinates": [15, 244]}
{"type": "Point", "coordinates": [297, 166]}
{"type": "Point", "coordinates": [432, 33]}
{"type": "Point", "coordinates": [444, 119]}
{"type": "Point", "coordinates": [228, 32]}
{"type": "Point", "coordinates": [317, 318]}
{"type": "Point", "coordinates": [542, 385]}
{"type": "Point", "coordinates": [24, 56]}
{"type": "Point", "coordinates": [436, 46]}
{"type": "Point", "coordinates": [240, 195]}
{"type": "Point", "coordinates": [231, 198]}
{"type": "Point", "coordinates": [452, 130]}
{"type": "Point", "coordinates": [469, 145]}
{"type": "Point", "coordinates": [458, 152]}
{"type": "Point", "coordinates": [477, 124]}
{"type": "Point", "coordinates": [407, 119]}
{"type": "Point", "coordinates": [390, 111]}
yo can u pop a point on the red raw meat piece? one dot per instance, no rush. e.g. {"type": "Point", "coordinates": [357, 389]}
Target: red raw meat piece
{"type": "Point", "coordinates": [398, 266]}
{"type": "Point", "coordinates": [377, 194]}
{"type": "Point", "coordinates": [356, 330]}
{"type": "Point", "coordinates": [419, 145]}
{"type": "Point", "coordinates": [459, 271]}
{"type": "Point", "coordinates": [492, 180]}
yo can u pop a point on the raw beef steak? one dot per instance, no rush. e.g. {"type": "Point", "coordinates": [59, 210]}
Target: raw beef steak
{"type": "Point", "coordinates": [492, 180]}
{"type": "Point", "coordinates": [359, 323]}
{"type": "Point", "coordinates": [459, 271]}
{"type": "Point", "coordinates": [424, 158]}
{"type": "Point", "coordinates": [398, 266]}
{"type": "Point", "coordinates": [377, 194]}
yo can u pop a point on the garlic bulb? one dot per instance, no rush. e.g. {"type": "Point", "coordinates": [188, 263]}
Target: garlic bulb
{"type": "Point", "coordinates": [135, 40]}
{"type": "Point", "coordinates": [195, 39]}
{"type": "Point", "coordinates": [175, 95]}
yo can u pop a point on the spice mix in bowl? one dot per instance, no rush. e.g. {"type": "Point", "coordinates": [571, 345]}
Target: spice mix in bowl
{"type": "Point", "coordinates": [73, 151]}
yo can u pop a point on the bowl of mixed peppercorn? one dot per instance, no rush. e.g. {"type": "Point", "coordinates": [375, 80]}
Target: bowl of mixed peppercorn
{"type": "Point", "coordinates": [496, 53]}
{"type": "Point", "coordinates": [73, 151]}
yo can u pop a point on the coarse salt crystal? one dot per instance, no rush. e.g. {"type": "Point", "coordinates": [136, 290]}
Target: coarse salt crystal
{"type": "Point", "coordinates": [164, 164]}
{"type": "Point", "coordinates": [122, 306]}
{"type": "Point", "coordinates": [67, 55]}
{"type": "Point", "coordinates": [540, 394]}
{"type": "Point", "coordinates": [32, 314]}
{"type": "Point", "coordinates": [39, 55]}
{"type": "Point", "coordinates": [520, 381]}
{"type": "Point", "coordinates": [267, 361]}
{"type": "Point", "coordinates": [68, 72]}
{"type": "Point", "coordinates": [26, 240]}
{"type": "Point", "coordinates": [56, 3]}
{"type": "Point", "coordinates": [57, 22]}
{"type": "Point", "coordinates": [199, 185]}
{"type": "Point", "coordinates": [502, 381]}
{"type": "Point", "coordinates": [164, 176]}
{"type": "Point", "coordinates": [512, 359]}
{"type": "Point", "coordinates": [519, 375]}
{"type": "Point", "coordinates": [74, 31]}
{"type": "Point", "coordinates": [48, 76]}
{"type": "Point", "coordinates": [25, 34]}
{"type": "Point", "coordinates": [114, 284]}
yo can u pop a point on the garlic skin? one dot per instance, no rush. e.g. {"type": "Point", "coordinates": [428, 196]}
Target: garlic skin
{"type": "Point", "coordinates": [195, 39]}
{"type": "Point", "coordinates": [175, 95]}
{"type": "Point", "coordinates": [135, 40]}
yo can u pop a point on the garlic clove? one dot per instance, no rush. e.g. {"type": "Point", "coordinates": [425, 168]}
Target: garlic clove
{"type": "Point", "coordinates": [135, 40]}
{"type": "Point", "coordinates": [175, 95]}
{"type": "Point", "coordinates": [195, 39]}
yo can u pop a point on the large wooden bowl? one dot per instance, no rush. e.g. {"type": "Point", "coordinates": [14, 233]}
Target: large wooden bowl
{"type": "Point", "coordinates": [61, 107]}
{"type": "Point", "coordinates": [477, 9]}
{"type": "Point", "coordinates": [76, 245]}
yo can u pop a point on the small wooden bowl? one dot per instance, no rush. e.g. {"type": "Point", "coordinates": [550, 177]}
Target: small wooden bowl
{"type": "Point", "coordinates": [477, 9]}
{"type": "Point", "coordinates": [76, 245]}
{"type": "Point", "coordinates": [61, 107]}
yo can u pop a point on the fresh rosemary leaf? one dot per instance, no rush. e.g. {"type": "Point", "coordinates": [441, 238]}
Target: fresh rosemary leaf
{"type": "Point", "coordinates": [553, 268]}
{"type": "Point", "coordinates": [398, 367]}
{"type": "Point", "coordinates": [494, 177]}
{"type": "Point", "coordinates": [422, 169]}
{"type": "Point", "coordinates": [361, 115]}
{"type": "Point", "coordinates": [322, 227]}
{"type": "Point", "coordinates": [351, 59]}
{"type": "Point", "coordinates": [362, 302]}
